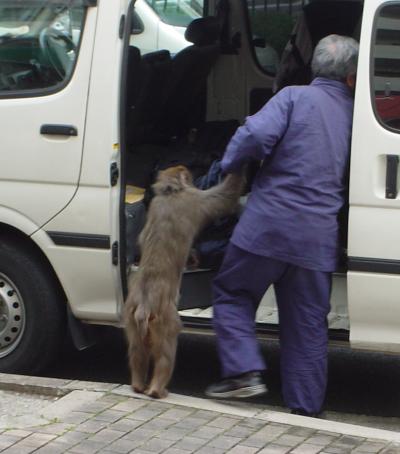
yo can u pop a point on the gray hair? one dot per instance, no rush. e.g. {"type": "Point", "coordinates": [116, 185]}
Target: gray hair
{"type": "Point", "coordinates": [335, 57]}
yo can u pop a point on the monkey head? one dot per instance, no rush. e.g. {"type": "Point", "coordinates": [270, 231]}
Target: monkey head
{"type": "Point", "coordinates": [172, 179]}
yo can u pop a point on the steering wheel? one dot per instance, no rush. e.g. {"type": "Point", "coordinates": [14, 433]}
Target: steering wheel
{"type": "Point", "coordinates": [54, 48]}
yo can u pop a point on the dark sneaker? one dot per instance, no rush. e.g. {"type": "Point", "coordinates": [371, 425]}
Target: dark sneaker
{"type": "Point", "coordinates": [246, 385]}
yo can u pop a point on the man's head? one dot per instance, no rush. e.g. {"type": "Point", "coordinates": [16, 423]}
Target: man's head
{"type": "Point", "coordinates": [335, 58]}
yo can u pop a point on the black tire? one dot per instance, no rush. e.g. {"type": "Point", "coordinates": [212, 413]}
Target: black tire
{"type": "Point", "coordinates": [32, 310]}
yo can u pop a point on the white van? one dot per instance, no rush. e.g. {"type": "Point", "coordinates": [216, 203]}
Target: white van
{"type": "Point", "coordinates": [86, 119]}
{"type": "Point", "coordinates": [161, 24]}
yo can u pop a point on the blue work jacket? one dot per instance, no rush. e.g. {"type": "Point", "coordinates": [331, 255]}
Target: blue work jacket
{"type": "Point", "coordinates": [302, 136]}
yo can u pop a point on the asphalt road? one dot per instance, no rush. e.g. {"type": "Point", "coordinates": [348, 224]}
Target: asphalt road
{"type": "Point", "coordinates": [360, 383]}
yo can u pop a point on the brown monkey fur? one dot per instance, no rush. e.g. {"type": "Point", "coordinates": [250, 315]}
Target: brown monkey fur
{"type": "Point", "coordinates": [176, 214]}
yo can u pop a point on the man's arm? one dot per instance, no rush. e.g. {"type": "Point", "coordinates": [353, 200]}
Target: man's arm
{"type": "Point", "coordinates": [256, 139]}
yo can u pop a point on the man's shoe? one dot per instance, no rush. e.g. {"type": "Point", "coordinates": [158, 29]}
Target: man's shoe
{"type": "Point", "coordinates": [245, 385]}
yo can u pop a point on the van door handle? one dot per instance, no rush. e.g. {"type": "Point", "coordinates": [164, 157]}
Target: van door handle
{"type": "Point", "coordinates": [392, 165]}
{"type": "Point", "coordinates": [58, 130]}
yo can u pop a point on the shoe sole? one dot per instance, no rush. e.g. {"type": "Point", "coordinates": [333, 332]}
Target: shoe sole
{"type": "Point", "coordinates": [241, 393]}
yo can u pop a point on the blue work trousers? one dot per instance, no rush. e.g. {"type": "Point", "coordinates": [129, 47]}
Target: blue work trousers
{"type": "Point", "coordinates": [303, 305]}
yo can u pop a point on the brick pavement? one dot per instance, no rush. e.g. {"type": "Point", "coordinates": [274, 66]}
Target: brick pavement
{"type": "Point", "coordinates": [90, 418]}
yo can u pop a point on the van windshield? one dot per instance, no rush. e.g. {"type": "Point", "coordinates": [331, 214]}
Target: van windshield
{"type": "Point", "coordinates": [177, 12]}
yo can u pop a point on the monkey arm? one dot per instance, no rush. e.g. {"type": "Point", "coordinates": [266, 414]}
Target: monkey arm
{"type": "Point", "coordinates": [221, 200]}
{"type": "Point", "coordinates": [256, 139]}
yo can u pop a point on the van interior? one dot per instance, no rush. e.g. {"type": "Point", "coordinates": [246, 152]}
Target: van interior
{"type": "Point", "coordinates": [183, 108]}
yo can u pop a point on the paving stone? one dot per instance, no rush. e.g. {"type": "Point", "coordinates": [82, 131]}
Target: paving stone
{"type": "Point", "coordinates": [37, 439]}
{"type": "Point", "coordinates": [275, 449]}
{"type": "Point", "coordinates": [289, 440]}
{"type": "Point", "coordinates": [224, 442]}
{"type": "Point", "coordinates": [338, 449]}
{"type": "Point", "coordinates": [253, 422]}
{"type": "Point", "coordinates": [204, 414]}
{"type": "Point", "coordinates": [320, 439]}
{"type": "Point", "coordinates": [302, 431]}
{"type": "Point", "coordinates": [129, 405]}
{"type": "Point", "coordinates": [124, 445]}
{"type": "Point", "coordinates": [369, 447]}
{"type": "Point", "coordinates": [190, 423]}
{"type": "Point", "coordinates": [223, 422]}
{"type": "Point", "coordinates": [145, 414]}
{"type": "Point", "coordinates": [190, 443]}
{"type": "Point", "coordinates": [162, 406]}
{"type": "Point", "coordinates": [141, 451]}
{"type": "Point", "coordinates": [88, 447]}
{"type": "Point", "coordinates": [72, 438]}
{"type": "Point", "coordinates": [392, 449]}
{"type": "Point", "coordinates": [107, 435]}
{"type": "Point", "coordinates": [207, 432]}
{"type": "Point", "coordinates": [307, 448]}
{"type": "Point", "coordinates": [139, 434]}
{"type": "Point", "coordinates": [174, 433]}
{"type": "Point", "coordinates": [351, 441]}
{"type": "Point", "coordinates": [18, 433]}
{"type": "Point", "coordinates": [125, 425]}
{"type": "Point", "coordinates": [158, 424]}
{"type": "Point", "coordinates": [239, 431]}
{"type": "Point", "coordinates": [110, 415]}
{"type": "Point", "coordinates": [97, 406]}
{"type": "Point", "coordinates": [175, 451]}
{"type": "Point", "coordinates": [54, 447]}
{"type": "Point", "coordinates": [57, 428]}
{"type": "Point", "coordinates": [157, 444]}
{"type": "Point", "coordinates": [19, 449]}
{"type": "Point", "coordinates": [211, 450]}
{"type": "Point", "coordinates": [76, 417]}
{"type": "Point", "coordinates": [177, 414]}
{"type": "Point", "coordinates": [91, 426]}
{"type": "Point", "coordinates": [112, 398]}
{"type": "Point", "coordinates": [240, 449]}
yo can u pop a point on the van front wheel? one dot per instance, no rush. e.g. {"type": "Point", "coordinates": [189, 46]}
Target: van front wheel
{"type": "Point", "coordinates": [32, 313]}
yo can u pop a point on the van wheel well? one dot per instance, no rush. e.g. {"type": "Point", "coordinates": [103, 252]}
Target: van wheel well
{"type": "Point", "coordinates": [29, 246]}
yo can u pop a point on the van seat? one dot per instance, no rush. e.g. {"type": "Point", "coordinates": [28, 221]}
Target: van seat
{"type": "Point", "coordinates": [185, 91]}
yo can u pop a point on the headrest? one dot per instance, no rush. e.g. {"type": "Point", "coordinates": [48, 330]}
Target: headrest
{"type": "Point", "coordinates": [204, 31]}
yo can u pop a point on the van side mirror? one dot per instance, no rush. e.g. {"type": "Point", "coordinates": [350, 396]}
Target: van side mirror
{"type": "Point", "coordinates": [137, 24]}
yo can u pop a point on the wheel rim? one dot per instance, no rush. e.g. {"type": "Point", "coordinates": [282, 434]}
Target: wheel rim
{"type": "Point", "coordinates": [12, 316]}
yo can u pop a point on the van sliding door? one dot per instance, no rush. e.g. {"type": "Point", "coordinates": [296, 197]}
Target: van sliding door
{"type": "Point", "coordinates": [374, 218]}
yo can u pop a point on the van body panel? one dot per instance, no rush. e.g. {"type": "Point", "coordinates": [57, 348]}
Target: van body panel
{"type": "Point", "coordinates": [374, 311]}
{"type": "Point", "coordinates": [87, 277]}
{"type": "Point", "coordinates": [37, 167]}
{"type": "Point", "coordinates": [374, 226]}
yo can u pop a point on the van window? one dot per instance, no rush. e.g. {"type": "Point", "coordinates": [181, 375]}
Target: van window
{"type": "Point", "coordinates": [271, 24]}
{"type": "Point", "coordinates": [177, 12]}
{"type": "Point", "coordinates": [386, 66]}
{"type": "Point", "coordinates": [39, 44]}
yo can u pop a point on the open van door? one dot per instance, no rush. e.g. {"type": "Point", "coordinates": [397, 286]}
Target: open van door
{"type": "Point", "coordinates": [374, 217]}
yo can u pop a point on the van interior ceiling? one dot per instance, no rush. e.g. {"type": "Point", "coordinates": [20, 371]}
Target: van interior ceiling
{"type": "Point", "coordinates": [166, 107]}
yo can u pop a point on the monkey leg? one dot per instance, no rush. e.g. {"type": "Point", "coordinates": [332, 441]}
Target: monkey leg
{"type": "Point", "coordinates": [164, 353]}
{"type": "Point", "coordinates": [139, 356]}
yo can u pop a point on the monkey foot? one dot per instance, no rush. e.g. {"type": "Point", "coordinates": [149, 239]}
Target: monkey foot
{"type": "Point", "coordinates": [157, 394]}
{"type": "Point", "coordinates": [138, 389]}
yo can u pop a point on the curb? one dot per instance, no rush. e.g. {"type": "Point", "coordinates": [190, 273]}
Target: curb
{"type": "Point", "coordinates": [61, 388]}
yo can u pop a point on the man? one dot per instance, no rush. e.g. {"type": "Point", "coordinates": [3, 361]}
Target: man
{"type": "Point", "coordinates": [288, 233]}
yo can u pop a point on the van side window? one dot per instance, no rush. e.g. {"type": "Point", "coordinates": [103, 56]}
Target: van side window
{"type": "Point", "coordinates": [178, 13]}
{"type": "Point", "coordinates": [271, 24]}
{"type": "Point", "coordinates": [39, 44]}
{"type": "Point", "coordinates": [386, 66]}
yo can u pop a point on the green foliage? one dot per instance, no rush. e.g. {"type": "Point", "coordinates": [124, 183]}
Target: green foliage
{"type": "Point", "coordinates": [275, 27]}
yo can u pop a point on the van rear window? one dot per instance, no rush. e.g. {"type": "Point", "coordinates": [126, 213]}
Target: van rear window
{"type": "Point", "coordinates": [177, 12]}
{"type": "Point", "coordinates": [386, 66]}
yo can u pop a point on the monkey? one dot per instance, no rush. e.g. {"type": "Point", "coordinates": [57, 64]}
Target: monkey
{"type": "Point", "coordinates": [176, 214]}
